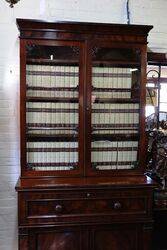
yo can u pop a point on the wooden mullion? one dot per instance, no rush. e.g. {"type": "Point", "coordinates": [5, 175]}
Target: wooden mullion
{"type": "Point", "coordinates": [88, 108]}
{"type": "Point", "coordinates": [81, 126]}
{"type": "Point", "coordinates": [142, 152]}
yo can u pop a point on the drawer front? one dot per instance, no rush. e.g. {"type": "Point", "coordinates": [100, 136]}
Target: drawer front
{"type": "Point", "coordinates": [85, 207]}
{"type": "Point", "coordinates": [78, 206]}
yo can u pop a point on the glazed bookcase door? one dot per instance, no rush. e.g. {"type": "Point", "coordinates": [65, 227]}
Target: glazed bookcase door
{"type": "Point", "coordinates": [115, 109]}
{"type": "Point", "coordinates": [52, 117]}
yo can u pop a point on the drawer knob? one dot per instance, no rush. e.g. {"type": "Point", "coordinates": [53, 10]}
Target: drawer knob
{"type": "Point", "coordinates": [117, 205]}
{"type": "Point", "coordinates": [58, 208]}
{"type": "Point", "coordinates": [88, 195]}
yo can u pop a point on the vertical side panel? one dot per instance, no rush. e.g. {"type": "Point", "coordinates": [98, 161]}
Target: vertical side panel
{"type": "Point", "coordinates": [23, 105]}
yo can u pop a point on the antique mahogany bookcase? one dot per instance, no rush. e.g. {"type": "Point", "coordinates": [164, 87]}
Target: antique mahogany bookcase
{"type": "Point", "coordinates": [83, 144]}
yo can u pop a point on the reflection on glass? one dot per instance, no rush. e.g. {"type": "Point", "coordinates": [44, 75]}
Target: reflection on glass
{"type": "Point", "coordinates": [52, 79]}
{"type": "Point", "coordinates": [115, 108]}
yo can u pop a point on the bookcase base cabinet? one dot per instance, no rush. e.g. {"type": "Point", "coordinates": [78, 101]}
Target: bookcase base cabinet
{"type": "Point", "coordinates": [95, 237]}
{"type": "Point", "coordinates": [113, 217]}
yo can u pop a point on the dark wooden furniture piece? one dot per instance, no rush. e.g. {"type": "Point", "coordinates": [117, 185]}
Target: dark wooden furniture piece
{"type": "Point", "coordinates": [156, 125]}
{"type": "Point", "coordinates": [157, 58]}
{"type": "Point", "coordinates": [83, 145]}
{"type": "Point", "coordinates": [160, 219]}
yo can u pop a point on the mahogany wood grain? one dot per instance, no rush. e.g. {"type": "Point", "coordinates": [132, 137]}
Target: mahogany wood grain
{"type": "Point", "coordinates": [156, 58]}
{"type": "Point", "coordinates": [84, 205]}
{"type": "Point", "coordinates": [116, 238]}
{"type": "Point", "coordinates": [58, 241]}
{"type": "Point", "coordinates": [83, 209]}
{"type": "Point", "coordinates": [115, 182]}
{"type": "Point", "coordinates": [23, 242]}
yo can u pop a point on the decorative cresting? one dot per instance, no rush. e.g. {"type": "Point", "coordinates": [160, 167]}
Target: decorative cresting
{"type": "Point", "coordinates": [12, 2]}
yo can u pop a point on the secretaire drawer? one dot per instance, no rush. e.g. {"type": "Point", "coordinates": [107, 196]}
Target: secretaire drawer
{"type": "Point", "coordinates": [90, 205]}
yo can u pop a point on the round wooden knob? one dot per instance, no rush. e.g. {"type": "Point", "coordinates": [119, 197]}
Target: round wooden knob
{"type": "Point", "coordinates": [58, 208]}
{"type": "Point", "coordinates": [117, 205]}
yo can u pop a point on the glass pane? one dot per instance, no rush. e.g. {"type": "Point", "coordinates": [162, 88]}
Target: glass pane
{"type": "Point", "coordinates": [163, 102]}
{"type": "Point", "coordinates": [52, 107]}
{"type": "Point", "coordinates": [115, 108]}
{"type": "Point", "coordinates": [163, 94]}
{"type": "Point", "coordinates": [152, 90]}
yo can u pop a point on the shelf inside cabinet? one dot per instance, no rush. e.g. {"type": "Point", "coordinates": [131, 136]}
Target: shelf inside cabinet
{"type": "Point", "coordinates": [113, 149]}
{"type": "Point", "coordinates": [115, 126]}
{"type": "Point", "coordinates": [52, 110]}
{"type": "Point", "coordinates": [52, 99]}
{"type": "Point", "coordinates": [73, 62]}
{"type": "Point", "coordinates": [136, 110]}
{"type": "Point", "coordinates": [116, 100]}
{"type": "Point", "coordinates": [116, 63]}
{"type": "Point", "coordinates": [52, 137]}
{"type": "Point", "coordinates": [95, 137]}
{"type": "Point", "coordinates": [95, 89]}
{"type": "Point", "coordinates": [113, 163]}
{"type": "Point", "coordinates": [47, 149]}
{"type": "Point", "coordinates": [45, 61]}
{"type": "Point", "coordinates": [115, 137]}
{"type": "Point", "coordinates": [40, 88]}
{"type": "Point", "coordinates": [52, 126]}
{"type": "Point", "coordinates": [52, 164]}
